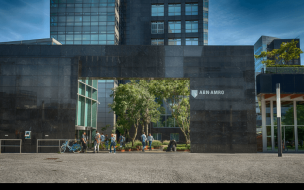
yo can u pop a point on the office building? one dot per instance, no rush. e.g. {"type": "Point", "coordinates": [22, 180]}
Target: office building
{"type": "Point", "coordinates": [160, 39]}
{"type": "Point", "coordinates": [291, 99]}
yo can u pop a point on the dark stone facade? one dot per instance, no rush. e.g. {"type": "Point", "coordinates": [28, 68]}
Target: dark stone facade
{"type": "Point", "coordinates": [289, 83]}
{"type": "Point", "coordinates": [38, 88]}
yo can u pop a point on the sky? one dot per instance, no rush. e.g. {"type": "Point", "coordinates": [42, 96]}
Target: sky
{"type": "Point", "coordinates": [231, 22]}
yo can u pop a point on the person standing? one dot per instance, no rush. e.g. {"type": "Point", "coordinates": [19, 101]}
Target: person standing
{"type": "Point", "coordinates": [96, 142]}
{"type": "Point", "coordinates": [102, 138]}
{"type": "Point", "coordinates": [107, 141]}
{"type": "Point", "coordinates": [112, 144]}
{"type": "Point", "coordinates": [84, 142]}
{"type": "Point", "coordinates": [150, 139]}
{"type": "Point", "coordinates": [143, 139]}
{"type": "Point", "coordinates": [121, 140]}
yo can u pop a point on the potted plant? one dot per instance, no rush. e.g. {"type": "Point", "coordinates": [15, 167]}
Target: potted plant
{"type": "Point", "coordinates": [156, 144]}
{"type": "Point", "coordinates": [128, 148]}
{"type": "Point", "coordinates": [138, 144]}
{"type": "Point", "coordinates": [118, 149]}
{"type": "Point", "coordinates": [165, 149]}
{"type": "Point", "coordinates": [122, 149]}
{"type": "Point", "coordinates": [134, 148]}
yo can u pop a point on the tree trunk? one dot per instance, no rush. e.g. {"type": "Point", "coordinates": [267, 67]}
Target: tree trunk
{"type": "Point", "coordinates": [133, 139]}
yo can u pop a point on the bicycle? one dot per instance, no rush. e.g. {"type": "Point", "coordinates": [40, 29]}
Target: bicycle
{"type": "Point", "coordinates": [73, 148]}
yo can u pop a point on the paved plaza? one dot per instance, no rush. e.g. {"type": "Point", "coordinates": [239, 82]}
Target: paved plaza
{"type": "Point", "coordinates": [151, 167]}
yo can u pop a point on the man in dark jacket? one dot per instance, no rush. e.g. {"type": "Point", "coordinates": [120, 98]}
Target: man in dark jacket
{"type": "Point", "coordinates": [172, 146]}
{"type": "Point", "coordinates": [84, 142]}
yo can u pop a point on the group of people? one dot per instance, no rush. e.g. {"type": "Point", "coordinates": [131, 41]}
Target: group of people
{"type": "Point", "coordinates": [100, 139]}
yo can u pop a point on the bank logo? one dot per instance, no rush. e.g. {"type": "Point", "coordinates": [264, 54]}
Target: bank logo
{"type": "Point", "coordinates": [194, 93]}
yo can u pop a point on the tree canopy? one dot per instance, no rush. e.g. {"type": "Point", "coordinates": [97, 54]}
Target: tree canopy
{"type": "Point", "coordinates": [287, 52]}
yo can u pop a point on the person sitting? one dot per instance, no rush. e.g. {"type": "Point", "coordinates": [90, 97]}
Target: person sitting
{"type": "Point", "coordinates": [171, 146]}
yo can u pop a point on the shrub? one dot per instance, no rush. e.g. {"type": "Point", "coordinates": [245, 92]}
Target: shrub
{"type": "Point", "coordinates": [156, 143]}
{"type": "Point", "coordinates": [134, 147]}
{"type": "Point", "coordinates": [166, 142]}
{"type": "Point", "coordinates": [129, 144]}
{"type": "Point", "coordinates": [137, 143]}
{"type": "Point", "coordinates": [181, 148]}
{"type": "Point", "coordinates": [165, 148]}
{"type": "Point", "coordinates": [181, 145]}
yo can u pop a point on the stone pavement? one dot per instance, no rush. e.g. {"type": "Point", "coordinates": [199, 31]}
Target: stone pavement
{"type": "Point", "coordinates": [151, 167]}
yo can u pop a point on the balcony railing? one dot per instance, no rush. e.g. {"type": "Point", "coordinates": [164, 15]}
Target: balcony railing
{"type": "Point", "coordinates": [283, 70]}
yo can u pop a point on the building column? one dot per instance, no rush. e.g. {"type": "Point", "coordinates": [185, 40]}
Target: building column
{"type": "Point", "coordinates": [295, 124]}
{"type": "Point", "coordinates": [264, 131]}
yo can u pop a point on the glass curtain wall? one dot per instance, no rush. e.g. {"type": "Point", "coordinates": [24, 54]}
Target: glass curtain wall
{"type": "Point", "coordinates": [87, 104]}
{"type": "Point", "coordinates": [292, 123]}
{"type": "Point", "coordinates": [83, 22]}
{"type": "Point", "coordinates": [105, 116]}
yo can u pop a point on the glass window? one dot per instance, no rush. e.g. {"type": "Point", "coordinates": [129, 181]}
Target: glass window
{"type": "Point", "coordinates": [86, 37]}
{"type": "Point", "coordinates": [300, 113]}
{"type": "Point", "coordinates": [206, 4]}
{"type": "Point", "coordinates": [191, 26]}
{"type": "Point", "coordinates": [157, 136]}
{"type": "Point", "coordinates": [301, 138]}
{"type": "Point", "coordinates": [61, 18]}
{"type": "Point", "coordinates": [269, 144]}
{"type": "Point", "coordinates": [174, 42]}
{"type": "Point", "coordinates": [157, 27]}
{"type": "Point", "coordinates": [86, 18]}
{"type": "Point", "coordinates": [94, 18]}
{"type": "Point", "coordinates": [205, 36]}
{"type": "Point", "coordinates": [206, 14]}
{"type": "Point", "coordinates": [69, 37]}
{"type": "Point", "coordinates": [191, 41]}
{"type": "Point", "coordinates": [287, 114]}
{"type": "Point", "coordinates": [158, 10]}
{"type": "Point", "coordinates": [174, 136]}
{"type": "Point", "coordinates": [77, 37]}
{"type": "Point", "coordinates": [157, 41]}
{"type": "Point", "coordinates": [174, 9]}
{"type": "Point", "coordinates": [206, 25]}
{"type": "Point", "coordinates": [174, 27]}
{"type": "Point", "coordinates": [191, 9]}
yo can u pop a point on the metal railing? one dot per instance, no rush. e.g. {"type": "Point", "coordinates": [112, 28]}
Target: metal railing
{"type": "Point", "coordinates": [59, 145]}
{"type": "Point", "coordinates": [11, 145]}
{"type": "Point", "coordinates": [283, 70]}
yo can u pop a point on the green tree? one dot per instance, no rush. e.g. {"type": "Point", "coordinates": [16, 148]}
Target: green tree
{"type": "Point", "coordinates": [287, 52]}
{"type": "Point", "coordinates": [134, 105]}
{"type": "Point", "coordinates": [175, 94]}
{"type": "Point", "coordinates": [149, 108]}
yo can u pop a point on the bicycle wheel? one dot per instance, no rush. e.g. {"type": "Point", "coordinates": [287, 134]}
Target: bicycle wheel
{"type": "Point", "coordinates": [77, 147]}
{"type": "Point", "coordinates": [63, 148]}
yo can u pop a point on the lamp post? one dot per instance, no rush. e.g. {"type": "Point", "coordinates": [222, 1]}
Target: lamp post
{"type": "Point", "coordinates": [279, 120]}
